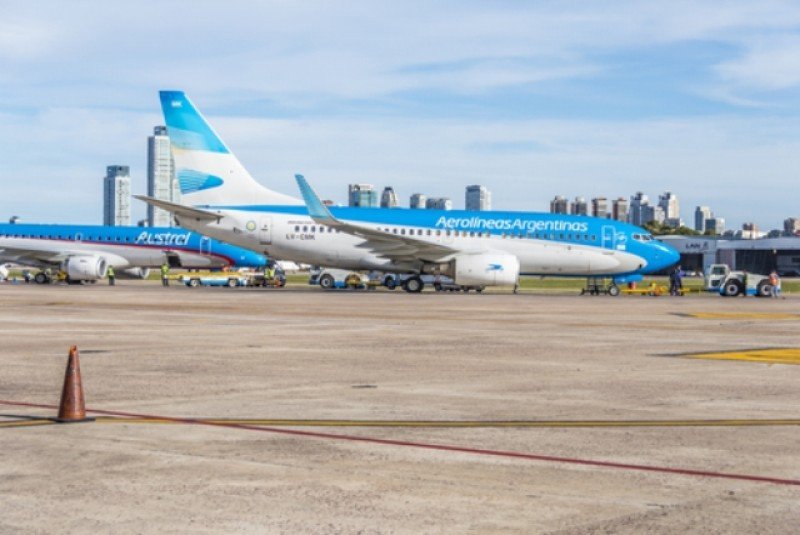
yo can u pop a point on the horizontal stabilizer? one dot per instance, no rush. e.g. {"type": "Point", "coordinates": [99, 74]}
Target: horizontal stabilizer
{"type": "Point", "coordinates": [180, 210]}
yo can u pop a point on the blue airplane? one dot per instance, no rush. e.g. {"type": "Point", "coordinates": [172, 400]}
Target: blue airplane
{"type": "Point", "coordinates": [474, 248]}
{"type": "Point", "coordinates": [84, 252]}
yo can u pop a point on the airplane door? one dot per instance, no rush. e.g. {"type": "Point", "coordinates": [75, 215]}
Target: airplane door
{"type": "Point", "coordinates": [265, 231]}
{"type": "Point", "coordinates": [205, 245]}
{"type": "Point", "coordinates": [609, 237]}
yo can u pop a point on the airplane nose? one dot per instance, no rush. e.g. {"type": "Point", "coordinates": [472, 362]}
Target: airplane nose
{"type": "Point", "coordinates": [669, 255]}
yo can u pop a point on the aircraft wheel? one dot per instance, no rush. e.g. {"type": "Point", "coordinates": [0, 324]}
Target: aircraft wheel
{"type": "Point", "coordinates": [41, 278]}
{"type": "Point", "coordinates": [414, 285]}
{"type": "Point", "coordinates": [326, 282]}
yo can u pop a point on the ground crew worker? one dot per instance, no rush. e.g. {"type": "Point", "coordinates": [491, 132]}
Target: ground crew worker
{"type": "Point", "coordinates": [112, 277]}
{"type": "Point", "coordinates": [270, 272]}
{"type": "Point", "coordinates": [164, 274]}
{"type": "Point", "coordinates": [775, 282]}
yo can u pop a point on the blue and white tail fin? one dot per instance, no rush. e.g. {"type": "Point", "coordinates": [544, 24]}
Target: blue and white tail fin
{"type": "Point", "coordinates": [208, 172]}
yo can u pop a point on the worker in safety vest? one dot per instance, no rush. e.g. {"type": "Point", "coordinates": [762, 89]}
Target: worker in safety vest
{"type": "Point", "coordinates": [112, 277]}
{"type": "Point", "coordinates": [164, 274]}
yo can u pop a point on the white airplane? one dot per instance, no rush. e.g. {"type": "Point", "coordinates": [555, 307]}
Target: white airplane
{"type": "Point", "coordinates": [473, 248]}
{"type": "Point", "coordinates": [84, 252]}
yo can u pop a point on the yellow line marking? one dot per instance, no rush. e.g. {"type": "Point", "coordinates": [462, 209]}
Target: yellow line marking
{"type": "Point", "coordinates": [744, 315]}
{"type": "Point", "coordinates": [26, 423]}
{"type": "Point", "coordinates": [468, 424]}
{"type": "Point", "coordinates": [771, 356]}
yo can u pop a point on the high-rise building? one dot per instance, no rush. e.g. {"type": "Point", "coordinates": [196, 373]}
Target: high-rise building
{"type": "Point", "coordinates": [668, 202]}
{"type": "Point", "coordinates": [600, 207]}
{"type": "Point", "coordinates": [418, 201]}
{"type": "Point", "coordinates": [652, 213]}
{"type": "Point", "coordinates": [478, 198]}
{"type": "Point", "coordinates": [388, 198]}
{"type": "Point", "coordinates": [362, 196]}
{"type": "Point", "coordinates": [715, 225]}
{"type": "Point", "coordinates": [619, 209]}
{"type": "Point", "coordinates": [701, 214]}
{"type": "Point", "coordinates": [439, 203]}
{"type": "Point", "coordinates": [791, 226]}
{"type": "Point", "coordinates": [117, 196]}
{"type": "Point", "coordinates": [558, 205]}
{"type": "Point", "coordinates": [579, 206]}
{"type": "Point", "coordinates": [639, 203]}
{"type": "Point", "coordinates": [161, 182]}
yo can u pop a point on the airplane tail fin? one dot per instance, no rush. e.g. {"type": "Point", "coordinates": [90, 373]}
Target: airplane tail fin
{"type": "Point", "coordinates": [207, 171]}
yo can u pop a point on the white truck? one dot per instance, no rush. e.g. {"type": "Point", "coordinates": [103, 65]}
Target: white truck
{"type": "Point", "coordinates": [720, 278]}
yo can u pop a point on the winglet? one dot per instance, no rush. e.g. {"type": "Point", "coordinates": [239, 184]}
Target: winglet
{"type": "Point", "coordinates": [316, 209]}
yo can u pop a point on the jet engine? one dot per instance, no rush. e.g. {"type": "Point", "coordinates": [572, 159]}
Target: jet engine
{"type": "Point", "coordinates": [487, 269]}
{"type": "Point", "coordinates": [136, 273]}
{"type": "Point", "coordinates": [85, 268]}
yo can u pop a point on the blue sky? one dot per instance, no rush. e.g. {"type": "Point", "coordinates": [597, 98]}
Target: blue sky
{"type": "Point", "coordinates": [532, 99]}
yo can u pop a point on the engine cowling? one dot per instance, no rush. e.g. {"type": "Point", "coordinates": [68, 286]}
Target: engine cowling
{"type": "Point", "coordinates": [85, 268]}
{"type": "Point", "coordinates": [488, 269]}
{"type": "Point", "coordinates": [136, 272]}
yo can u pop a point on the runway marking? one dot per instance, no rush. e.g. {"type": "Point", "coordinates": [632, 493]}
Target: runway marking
{"type": "Point", "coordinates": [26, 423]}
{"type": "Point", "coordinates": [442, 447]}
{"type": "Point", "coordinates": [469, 424]}
{"type": "Point", "coordinates": [744, 315]}
{"type": "Point", "coordinates": [769, 355]}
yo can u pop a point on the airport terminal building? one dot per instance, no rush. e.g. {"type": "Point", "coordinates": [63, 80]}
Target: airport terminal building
{"type": "Point", "coordinates": [757, 256]}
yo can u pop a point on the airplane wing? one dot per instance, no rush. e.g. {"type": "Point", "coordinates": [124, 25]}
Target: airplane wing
{"type": "Point", "coordinates": [26, 256]}
{"type": "Point", "coordinates": [180, 209]}
{"type": "Point", "coordinates": [390, 246]}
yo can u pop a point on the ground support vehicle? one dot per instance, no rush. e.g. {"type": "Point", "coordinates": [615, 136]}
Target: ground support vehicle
{"type": "Point", "coordinates": [329, 278]}
{"type": "Point", "coordinates": [598, 286]}
{"type": "Point", "coordinates": [210, 280]}
{"type": "Point", "coordinates": [729, 283]}
{"type": "Point", "coordinates": [262, 280]}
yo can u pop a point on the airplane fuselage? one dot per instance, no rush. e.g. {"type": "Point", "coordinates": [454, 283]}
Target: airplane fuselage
{"type": "Point", "coordinates": [545, 244]}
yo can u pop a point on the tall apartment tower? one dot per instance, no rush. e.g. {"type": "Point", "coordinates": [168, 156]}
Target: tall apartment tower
{"type": "Point", "coordinates": [418, 201]}
{"type": "Point", "coordinates": [579, 206]}
{"type": "Point", "coordinates": [716, 225]}
{"type": "Point", "coordinates": [558, 205]}
{"type": "Point", "coordinates": [388, 198]}
{"type": "Point", "coordinates": [161, 182]}
{"type": "Point", "coordinates": [668, 202]}
{"type": "Point", "coordinates": [639, 204]}
{"type": "Point", "coordinates": [600, 207]}
{"type": "Point", "coordinates": [478, 198]}
{"type": "Point", "coordinates": [439, 203]}
{"type": "Point", "coordinates": [117, 196]}
{"type": "Point", "coordinates": [362, 196]}
{"type": "Point", "coordinates": [620, 209]}
{"type": "Point", "coordinates": [701, 214]}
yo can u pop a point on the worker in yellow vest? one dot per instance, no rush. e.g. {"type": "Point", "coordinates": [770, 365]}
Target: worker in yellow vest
{"type": "Point", "coordinates": [164, 274]}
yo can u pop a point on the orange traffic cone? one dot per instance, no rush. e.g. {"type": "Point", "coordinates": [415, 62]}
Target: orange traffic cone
{"type": "Point", "coordinates": [72, 407]}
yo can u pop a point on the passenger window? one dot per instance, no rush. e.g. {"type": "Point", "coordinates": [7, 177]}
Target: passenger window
{"type": "Point", "coordinates": [428, 232]}
{"type": "Point", "coordinates": [305, 228]}
{"type": "Point", "coordinates": [297, 228]}
{"type": "Point", "coordinates": [403, 231]}
{"type": "Point", "coordinates": [438, 232]}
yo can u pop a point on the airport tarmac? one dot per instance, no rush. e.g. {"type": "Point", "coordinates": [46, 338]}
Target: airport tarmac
{"type": "Point", "coordinates": [609, 377]}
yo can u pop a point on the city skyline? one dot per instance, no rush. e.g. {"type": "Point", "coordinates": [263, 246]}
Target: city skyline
{"type": "Point", "coordinates": [516, 97]}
